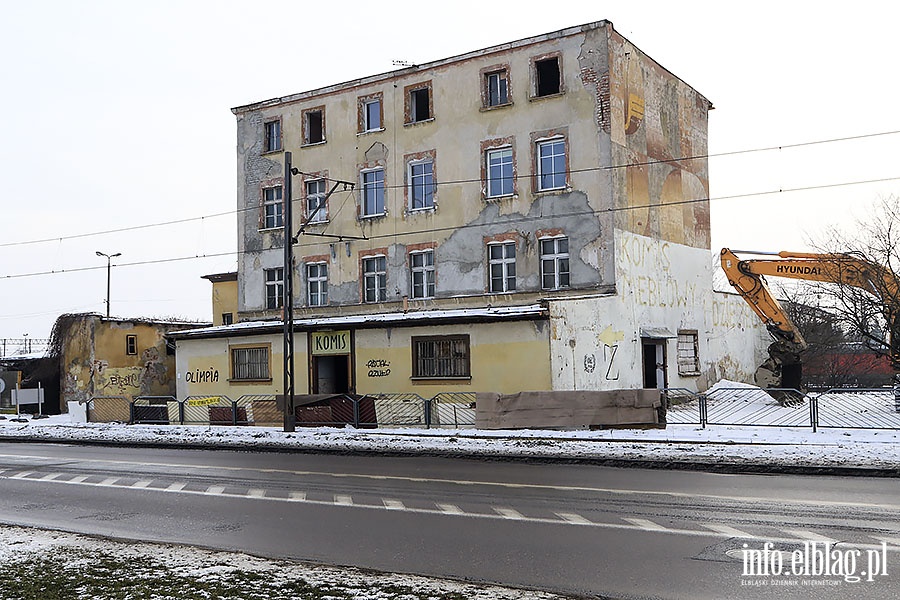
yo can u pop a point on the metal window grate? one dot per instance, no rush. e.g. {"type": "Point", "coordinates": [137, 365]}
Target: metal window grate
{"type": "Point", "coordinates": [250, 363]}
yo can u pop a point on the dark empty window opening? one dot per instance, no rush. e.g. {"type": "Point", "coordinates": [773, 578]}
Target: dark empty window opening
{"type": "Point", "coordinates": [315, 130]}
{"type": "Point", "coordinates": [420, 110]}
{"type": "Point", "coordinates": [227, 318]}
{"type": "Point", "coordinates": [547, 73]}
{"type": "Point", "coordinates": [131, 344]}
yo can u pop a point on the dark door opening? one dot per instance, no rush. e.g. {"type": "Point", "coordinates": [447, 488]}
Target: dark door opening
{"type": "Point", "coordinates": [331, 374]}
{"type": "Point", "coordinates": [654, 363]}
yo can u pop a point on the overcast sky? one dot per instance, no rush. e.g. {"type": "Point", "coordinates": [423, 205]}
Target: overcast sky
{"type": "Point", "coordinates": [117, 115]}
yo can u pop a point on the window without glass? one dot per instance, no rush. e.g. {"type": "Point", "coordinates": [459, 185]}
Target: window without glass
{"type": "Point", "coordinates": [274, 288]}
{"type": "Point", "coordinates": [554, 263]}
{"type": "Point", "coordinates": [688, 353]}
{"type": "Point", "coordinates": [317, 284]}
{"type": "Point", "coordinates": [499, 172]}
{"type": "Point", "coordinates": [496, 88]}
{"type": "Point", "coordinates": [315, 201]}
{"type": "Point", "coordinates": [227, 318]}
{"type": "Point", "coordinates": [421, 270]}
{"type": "Point", "coordinates": [372, 115]}
{"type": "Point", "coordinates": [314, 126]}
{"type": "Point", "coordinates": [273, 208]}
{"type": "Point", "coordinates": [441, 357]}
{"type": "Point", "coordinates": [419, 109]}
{"type": "Point", "coordinates": [272, 140]}
{"type": "Point", "coordinates": [546, 73]}
{"type": "Point", "coordinates": [374, 279]}
{"type": "Point", "coordinates": [502, 265]}
{"type": "Point", "coordinates": [551, 165]}
{"type": "Point", "coordinates": [421, 185]}
{"type": "Point", "coordinates": [131, 344]}
{"type": "Point", "coordinates": [373, 192]}
{"type": "Point", "coordinates": [250, 364]}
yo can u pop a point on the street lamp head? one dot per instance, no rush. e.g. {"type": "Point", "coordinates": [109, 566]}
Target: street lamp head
{"type": "Point", "coordinates": [100, 253]}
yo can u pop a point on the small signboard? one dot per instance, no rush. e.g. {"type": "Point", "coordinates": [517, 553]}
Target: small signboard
{"type": "Point", "coordinates": [323, 343]}
{"type": "Point", "coordinates": [9, 380]}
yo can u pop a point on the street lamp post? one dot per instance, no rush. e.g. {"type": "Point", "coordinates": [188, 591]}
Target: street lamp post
{"type": "Point", "coordinates": [109, 258]}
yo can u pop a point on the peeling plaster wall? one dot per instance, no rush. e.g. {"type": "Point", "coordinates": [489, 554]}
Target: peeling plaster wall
{"type": "Point", "coordinates": [596, 342]}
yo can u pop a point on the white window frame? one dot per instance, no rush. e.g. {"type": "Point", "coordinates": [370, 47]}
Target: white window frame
{"type": "Point", "coordinates": [421, 274]}
{"type": "Point", "coordinates": [315, 202]}
{"type": "Point", "coordinates": [555, 263]}
{"type": "Point", "coordinates": [367, 188]}
{"type": "Point", "coordinates": [367, 115]}
{"type": "Point", "coordinates": [274, 280]}
{"type": "Point", "coordinates": [272, 136]}
{"type": "Point", "coordinates": [374, 280]}
{"type": "Point", "coordinates": [423, 181]}
{"type": "Point", "coordinates": [273, 208]}
{"type": "Point", "coordinates": [502, 95]}
{"type": "Point", "coordinates": [317, 284]}
{"type": "Point", "coordinates": [506, 265]}
{"type": "Point", "coordinates": [556, 160]}
{"type": "Point", "coordinates": [688, 353]}
{"type": "Point", "coordinates": [505, 162]}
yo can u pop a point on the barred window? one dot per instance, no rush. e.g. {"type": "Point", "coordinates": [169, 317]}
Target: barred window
{"type": "Point", "coordinates": [688, 353]}
{"type": "Point", "coordinates": [441, 357]}
{"type": "Point", "coordinates": [250, 364]}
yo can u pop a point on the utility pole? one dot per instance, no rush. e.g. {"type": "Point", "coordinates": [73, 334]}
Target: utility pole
{"type": "Point", "coordinates": [288, 301]}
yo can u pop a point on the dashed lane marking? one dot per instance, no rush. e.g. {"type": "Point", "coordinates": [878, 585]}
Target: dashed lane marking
{"type": "Point", "coordinates": [50, 476]}
{"type": "Point", "coordinates": [342, 500]}
{"type": "Point", "coordinates": [142, 483]}
{"type": "Point", "coordinates": [646, 525]}
{"type": "Point", "coordinates": [509, 513]}
{"type": "Point", "coordinates": [215, 489]}
{"type": "Point", "coordinates": [392, 504]}
{"type": "Point", "coordinates": [726, 530]}
{"type": "Point", "coordinates": [109, 481]}
{"type": "Point", "coordinates": [573, 518]}
{"type": "Point", "coordinates": [176, 487]}
{"type": "Point", "coordinates": [810, 536]}
{"type": "Point", "coordinates": [297, 496]}
{"type": "Point", "coordinates": [449, 509]}
{"type": "Point", "coordinates": [256, 493]}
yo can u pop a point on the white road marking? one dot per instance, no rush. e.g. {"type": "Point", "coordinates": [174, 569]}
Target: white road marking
{"type": "Point", "coordinates": [729, 531]}
{"type": "Point", "coordinates": [890, 541]}
{"type": "Point", "coordinates": [646, 525]}
{"type": "Point", "coordinates": [142, 483]}
{"type": "Point", "coordinates": [449, 509]}
{"type": "Point", "coordinates": [343, 500]}
{"type": "Point", "coordinates": [508, 513]}
{"type": "Point", "coordinates": [297, 496]}
{"type": "Point", "coordinates": [215, 489]}
{"type": "Point", "coordinates": [256, 493]}
{"type": "Point", "coordinates": [176, 487]}
{"type": "Point", "coordinates": [393, 504]}
{"type": "Point", "coordinates": [810, 536]}
{"type": "Point", "coordinates": [109, 481]}
{"type": "Point", "coordinates": [78, 479]}
{"type": "Point", "coordinates": [50, 476]}
{"type": "Point", "coordinates": [21, 475]}
{"type": "Point", "coordinates": [573, 518]}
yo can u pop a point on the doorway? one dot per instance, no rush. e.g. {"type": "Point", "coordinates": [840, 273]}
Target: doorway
{"type": "Point", "coordinates": [331, 374]}
{"type": "Point", "coordinates": [654, 363]}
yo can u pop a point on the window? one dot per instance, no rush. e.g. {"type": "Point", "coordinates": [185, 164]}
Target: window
{"type": "Point", "coordinates": [272, 138]}
{"type": "Point", "coordinates": [273, 208]}
{"type": "Point", "coordinates": [131, 344]}
{"type": "Point", "coordinates": [688, 353]}
{"type": "Point", "coordinates": [496, 88]}
{"type": "Point", "coordinates": [274, 288]}
{"type": "Point", "coordinates": [314, 126]}
{"type": "Point", "coordinates": [374, 279]}
{"type": "Point", "coordinates": [315, 201]}
{"type": "Point", "coordinates": [227, 318]}
{"type": "Point", "coordinates": [373, 193]}
{"type": "Point", "coordinates": [250, 364]}
{"type": "Point", "coordinates": [441, 357]}
{"type": "Point", "coordinates": [499, 172]}
{"type": "Point", "coordinates": [418, 102]}
{"type": "Point", "coordinates": [502, 263]}
{"type": "Point", "coordinates": [317, 284]}
{"type": "Point", "coordinates": [421, 270]}
{"type": "Point", "coordinates": [371, 113]}
{"type": "Point", "coordinates": [421, 185]}
{"type": "Point", "coordinates": [551, 165]}
{"type": "Point", "coordinates": [554, 263]}
{"type": "Point", "coordinates": [547, 77]}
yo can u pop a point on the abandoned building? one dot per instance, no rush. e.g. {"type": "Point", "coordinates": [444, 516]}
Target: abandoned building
{"type": "Point", "coordinates": [529, 216]}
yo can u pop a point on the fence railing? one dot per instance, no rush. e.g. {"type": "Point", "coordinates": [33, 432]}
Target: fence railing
{"type": "Point", "coordinates": [446, 410]}
{"type": "Point", "coordinates": [835, 408]}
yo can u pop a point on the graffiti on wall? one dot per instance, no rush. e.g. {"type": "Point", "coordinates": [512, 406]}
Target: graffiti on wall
{"type": "Point", "coordinates": [378, 367]}
{"type": "Point", "coordinates": [210, 375]}
{"type": "Point", "coordinates": [610, 340]}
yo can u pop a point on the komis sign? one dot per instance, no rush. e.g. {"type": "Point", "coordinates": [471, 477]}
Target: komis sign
{"type": "Point", "coordinates": [329, 342]}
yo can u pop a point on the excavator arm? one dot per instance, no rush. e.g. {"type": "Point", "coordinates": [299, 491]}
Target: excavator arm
{"type": "Point", "coordinates": [747, 277]}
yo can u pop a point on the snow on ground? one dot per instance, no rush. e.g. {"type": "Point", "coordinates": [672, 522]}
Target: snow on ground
{"type": "Point", "coordinates": [732, 444]}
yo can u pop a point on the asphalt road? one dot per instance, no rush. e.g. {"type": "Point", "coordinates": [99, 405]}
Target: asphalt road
{"type": "Point", "coordinates": [579, 529]}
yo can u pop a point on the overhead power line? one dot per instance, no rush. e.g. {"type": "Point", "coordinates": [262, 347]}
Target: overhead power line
{"type": "Point", "coordinates": [469, 181]}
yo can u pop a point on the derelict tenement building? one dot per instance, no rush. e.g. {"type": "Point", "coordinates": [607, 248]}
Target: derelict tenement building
{"type": "Point", "coordinates": [530, 216]}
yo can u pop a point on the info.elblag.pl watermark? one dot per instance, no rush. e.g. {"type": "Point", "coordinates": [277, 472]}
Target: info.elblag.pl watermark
{"type": "Point", "coordinates": [813, 564]}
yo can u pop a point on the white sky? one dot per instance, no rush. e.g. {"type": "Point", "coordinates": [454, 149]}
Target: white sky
{"type": "Point", "coordinates": [116, 114]}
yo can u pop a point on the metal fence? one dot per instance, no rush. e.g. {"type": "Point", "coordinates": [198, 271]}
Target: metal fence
{"type": "Point", "coordinates": [835, 408]}
{"type": "Point", "coordinates": [445, 410]}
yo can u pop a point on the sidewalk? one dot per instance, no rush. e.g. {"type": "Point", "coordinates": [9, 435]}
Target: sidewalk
{"type": "Point", "coordinates": [733, 448]}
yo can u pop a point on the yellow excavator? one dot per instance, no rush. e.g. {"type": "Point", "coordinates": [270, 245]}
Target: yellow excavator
{"type": "Point", "coordinates": [783, 368]}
